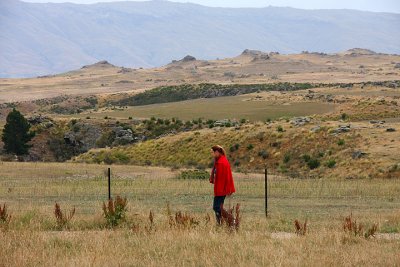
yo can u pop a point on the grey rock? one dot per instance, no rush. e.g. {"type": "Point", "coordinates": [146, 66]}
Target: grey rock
{"type": "Point", "coordinates": [315, 129]}
{"type": "Point", "coordinates": [123, 136]}
{"type": "Point", "coordinates": [358, 154]}
{"type": "Point", "coordinates": [38, 119]}
{"type": "Point", "coordinates": [300, 121]}
{"type": "Point", "coordinates": [343, 129]}
{"type": "Point", "coordinates": [376, 122]}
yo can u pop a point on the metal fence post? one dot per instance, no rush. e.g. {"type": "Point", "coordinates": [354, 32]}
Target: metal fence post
{"type": "Point", "coordinates": [109, 183]}
{"type": "Point", "coordinates": [266, 192]}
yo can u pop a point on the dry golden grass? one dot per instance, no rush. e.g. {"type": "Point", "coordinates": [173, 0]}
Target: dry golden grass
{"type": "Point", "coordinates": [30, 190]}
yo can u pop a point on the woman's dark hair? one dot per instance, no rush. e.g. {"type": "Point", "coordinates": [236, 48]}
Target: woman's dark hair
{"type": "Point", "coordinates": [218, 148]}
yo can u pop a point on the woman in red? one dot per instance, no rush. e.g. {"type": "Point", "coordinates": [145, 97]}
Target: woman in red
{"type": "Point", "coordinates": [221, 177]}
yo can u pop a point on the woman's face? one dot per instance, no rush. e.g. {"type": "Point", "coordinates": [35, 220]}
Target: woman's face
{"type": "Point", "coordinates": [215, 153]}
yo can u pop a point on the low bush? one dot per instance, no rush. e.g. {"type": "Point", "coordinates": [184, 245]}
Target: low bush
{"type": "Point", "coordinates": [263, 153]}
{"type": "Point", "coordinates": [330, 163]}
{"type": "Point", "coordinates": [194, 174]}
{"type": "Point", "coordinates": [306, 157]}
{"type": "Point", "coordinates": [341, 142]}
{"type": "Point", "coordinates": [313, 163]}
{"type": "Point", "coordinates": [286, 158]}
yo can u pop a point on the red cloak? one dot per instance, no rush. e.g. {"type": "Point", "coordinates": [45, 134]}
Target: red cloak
{"type": "Point", "coordinates": [222, 178]}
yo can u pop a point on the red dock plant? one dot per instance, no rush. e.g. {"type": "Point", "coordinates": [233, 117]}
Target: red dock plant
{"type": "Point", "coordinates": [62, 220]}
{"type": "Point", "coordinates": [230, 218]}
{"type": "Point", "coordinates": [114, 211]}
{"type": "Point", "coordinates": [5, 217]}
{"type": "Point", "coordinates": [350, 225]}
{"type": "Point", "coordinates": [301, 229]}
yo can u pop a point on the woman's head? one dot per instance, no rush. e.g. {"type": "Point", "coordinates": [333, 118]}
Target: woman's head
{"type": "Point", "coordinates": [217, 151]}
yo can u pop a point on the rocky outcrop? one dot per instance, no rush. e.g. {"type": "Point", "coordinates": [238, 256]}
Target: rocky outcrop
{"type": "Point", "coordinates": [123, 136]}
{"type": "Point", "coordinates": [41, 120]}
{"type": "Point", "coordinates": [101, 64]}
{"type": "Point", "coordinates": [342, 129]}
{"type": "Point", "coordinates": [300, 121]}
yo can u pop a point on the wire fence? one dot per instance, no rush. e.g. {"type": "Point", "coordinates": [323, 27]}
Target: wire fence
{"type": "Point", "coordinates": [39, 188]}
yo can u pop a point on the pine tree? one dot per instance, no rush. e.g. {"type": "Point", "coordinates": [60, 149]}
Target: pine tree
{"type": "Point", "coordinates": [16, 134]}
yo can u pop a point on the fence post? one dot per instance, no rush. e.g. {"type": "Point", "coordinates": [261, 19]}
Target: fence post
{"type": "Point", "coordinates": [266, 192]}
{"type": "Point", "coordinates": [109, 183]}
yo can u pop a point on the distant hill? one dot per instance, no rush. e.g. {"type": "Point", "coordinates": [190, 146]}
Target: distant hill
{"type": "Point", "coordinates": [39, 39]}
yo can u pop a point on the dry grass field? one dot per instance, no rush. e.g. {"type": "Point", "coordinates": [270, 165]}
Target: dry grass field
{"type": "Point", "coordinates": [32, 239]}
{"type": "Point", "coordinates": [234, 107]}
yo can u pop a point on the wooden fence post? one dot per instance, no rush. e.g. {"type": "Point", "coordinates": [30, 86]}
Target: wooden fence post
{"type": "Point", "coordinates": [109, 183]}
{"type": "Point", "coordinates": [266, 192]}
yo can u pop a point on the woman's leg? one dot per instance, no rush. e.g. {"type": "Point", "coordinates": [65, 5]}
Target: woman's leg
{"type": "Point", "coordinates": [218, 202]}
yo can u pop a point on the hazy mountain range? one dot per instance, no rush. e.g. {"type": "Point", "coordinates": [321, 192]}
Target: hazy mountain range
{"type": "Point", "coordinates": [38, 39]}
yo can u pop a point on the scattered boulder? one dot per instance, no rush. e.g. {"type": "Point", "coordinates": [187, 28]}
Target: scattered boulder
{"type": "Point", "coordinates": [300, 121]}
{"type": "Point", "coordinates": [343, 129]}
{"type": "Point", "coordinates": [124, 70]}
{"type": "Point", "coordinates": [358, 154]}
{"type": "Point", "coordinates": [315, 129]}
{"type": "Point", "coordinates": [70, 139]}
{"type": "Point", "coordinates": [377, 122]}
{"type": "Point", "coordinates": [390, 130]}
{"type": "Point", "coordinates": [397, 66]}
{"type": "Point", "coordinates": [249, 52]}
{"type": "Point", "coordinates": [38, 119]}
{"type": "Point", "coordinates": [41, 120]}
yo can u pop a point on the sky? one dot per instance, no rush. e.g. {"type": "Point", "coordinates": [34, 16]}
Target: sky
{"type": "Point", "coordinates": [367, 5]}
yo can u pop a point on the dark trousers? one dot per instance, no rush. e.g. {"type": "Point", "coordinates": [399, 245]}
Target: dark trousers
{"type": "Point", "coordinates": [218, 202]}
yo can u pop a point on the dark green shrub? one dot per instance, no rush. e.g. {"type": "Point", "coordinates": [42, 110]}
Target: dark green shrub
{"type": "Point", "coordinates": [234, 148]}
{"type": "Point", "coordinates": [313, 163]}
{"type": "Point", "coordinates": [306, 157]}
{"type": "Point", "coordinates": [250, 147]}
{"type": "Point", "coordinates": [286, 158]}
{"type": "Point", "coordinates": [263, 154]}
{"type": "Point", "coordinates": [279, 128]}
{"type": "Point", "coordinates": [341, 142]}
{"type": "Point", "coordinates": [330, 163]}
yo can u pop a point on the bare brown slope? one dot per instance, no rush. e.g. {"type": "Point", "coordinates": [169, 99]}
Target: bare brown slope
{"type": "Point", "coordinates": [355, 65]}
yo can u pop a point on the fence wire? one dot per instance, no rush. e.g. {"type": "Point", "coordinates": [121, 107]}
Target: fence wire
{"type": "Point", "coordinates": [38, 188]}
